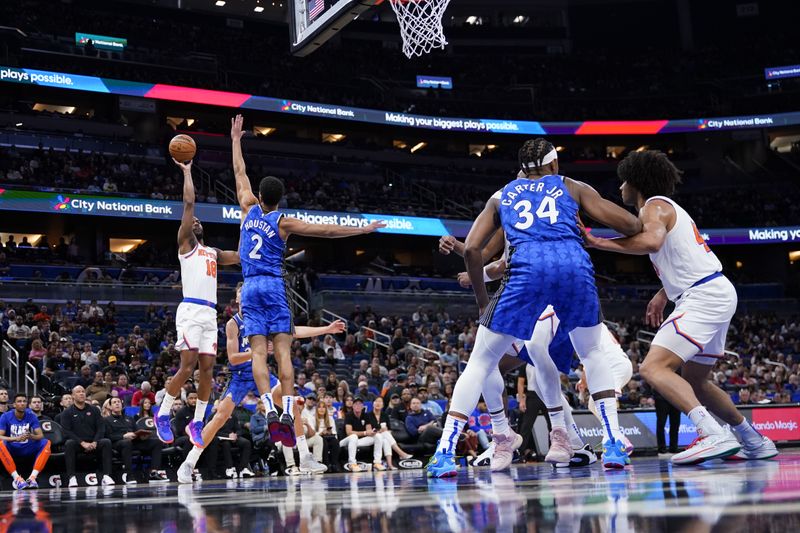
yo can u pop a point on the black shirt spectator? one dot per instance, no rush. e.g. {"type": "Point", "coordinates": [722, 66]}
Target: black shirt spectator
{"type": "Point", "coordinates": [121, 430]}
{"type": "Point", "coordinates": [84, 430]}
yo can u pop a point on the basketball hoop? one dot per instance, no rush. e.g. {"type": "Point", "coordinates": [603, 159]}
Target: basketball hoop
{"type": "Point", "coordinates": [420, 25]}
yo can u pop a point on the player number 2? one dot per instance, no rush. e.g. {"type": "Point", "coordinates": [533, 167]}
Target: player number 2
{"type": "Point", "coordinates": [547, 209]}
{"type": "Point", "coordinates": [254, 252]}
{"type": "Point", "coordinates": [211, 268]}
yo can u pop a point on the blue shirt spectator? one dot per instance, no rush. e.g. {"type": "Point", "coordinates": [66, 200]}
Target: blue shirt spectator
{"type": "Point", "coordinates": [415, 419]}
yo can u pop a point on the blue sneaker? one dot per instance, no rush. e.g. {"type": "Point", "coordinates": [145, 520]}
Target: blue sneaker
{"type": "Point", "coordinates": [32, 484]}
{"type": "Point", "coordinates": [195, 431]}
{"type": "Point", "coordinates": [163, 430]}
{"type": "Point", "coordinates": [20, 484]}
{"type": "Point", "coordinates": [442, 465]}
{"type": "Point", "coordinates": [614, 454]}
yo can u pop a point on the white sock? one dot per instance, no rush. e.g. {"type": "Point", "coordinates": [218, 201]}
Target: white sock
{"type": "Point", "coordinates": [194, 456]}
{"type": "Point", "coordinates": [288, 404]}
{"type": "Point", "coordinates": [166, 405]}
{"type": "Point", "coordinates": [200, 410]}
{"type": "Point", "coordinates": [15, 475]}
{"type": "Point", "coordinates": [607, 407]}
{"type": "Point", "coordinates": [705, 423]}
{"type": "Point", "coordinates": [266, 399]}
{"type": "Point", "coordinates": [302, 445]}
{"type": "Point", "coordinates": [572, 429]}
{"type": "Point", "coordinates": [452, 429]}
{"type": "Point", "coordinates": [747, 433]}
{"type": "Point", "coordinates": [34, 474]}
{"type": "Point", "coordinates": [557, 419]}
{"type": "Point", "coordinates": [500, 423]}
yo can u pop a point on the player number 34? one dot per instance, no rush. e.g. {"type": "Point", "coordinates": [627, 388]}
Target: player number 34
{"type": "Point", "coordinates": [547, 210]}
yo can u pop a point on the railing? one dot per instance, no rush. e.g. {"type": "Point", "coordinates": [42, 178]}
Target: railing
{"type": "Point", "coordinates": [11, 371]}
{"type": "Point", "coordinates": [458, 208]}
{"type": "Point", "coordinates": [423, 351]}
{"type": "Point", "coordinates": [329, 316]}
{"type": "Point", "coordinates": [299, 302]}
{"type": "Point", "coordinates": [378, 337]}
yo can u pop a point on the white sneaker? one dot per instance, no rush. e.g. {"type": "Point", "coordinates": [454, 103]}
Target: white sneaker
{"type": "Point", "coordinates": [765, 449]}
{"type": "Point", "coordinates": [560, 449]}
{"type": "Point", "coordinates": [309, 464]}
{"type": "Point", "coordinates": [73, 482]}
{"type": "Point", "coordinates": [185, 472]}
{"type": "Point", "coordinates": [246, 472]}
{"type": "Point", "coordinates": [127, 481]}
{"type": "Point", "coordinates": [504, 450]}
{"type": "Point", "coordinates": [485, 459]}
{"type": "Point", "coordinates": [107, 481]}
{"type": "Point", "coordinates": [230, 473]}
{"type": "Point", "coordinates": [708, 447]}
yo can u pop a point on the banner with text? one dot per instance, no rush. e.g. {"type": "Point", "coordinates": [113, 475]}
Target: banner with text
{"type": "Point", "coordinates": [390, 118]}
{"type": "Point", "coordinates": [115, 206]}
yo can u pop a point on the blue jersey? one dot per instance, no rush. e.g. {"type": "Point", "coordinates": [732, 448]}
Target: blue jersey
{"type": "Point", "coordinates": [547, 263]}
{"type": "Point", "coordinates": [260, 245]}
{"type": "Point", "coordinates": [242, 371]}
{"type": "Point", "coordinates": [12, 426]}
{"type": "Point", "coordinates": [539, 210]}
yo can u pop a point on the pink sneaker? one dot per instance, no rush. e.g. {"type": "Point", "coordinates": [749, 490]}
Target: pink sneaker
{"type": "Point", "coordinates": [503, 451]}
{"type": "Point", "coordinates": [560, 449]}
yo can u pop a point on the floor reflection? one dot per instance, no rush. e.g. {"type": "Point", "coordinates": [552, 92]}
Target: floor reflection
{"type": "Point", "coordinates": [649, 496]}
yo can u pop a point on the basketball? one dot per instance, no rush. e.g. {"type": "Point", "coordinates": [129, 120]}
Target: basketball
{"type": "Point", "coordinates": [182, 148]}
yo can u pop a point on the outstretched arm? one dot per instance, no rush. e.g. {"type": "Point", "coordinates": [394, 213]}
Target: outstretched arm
{"type": "Point", "coordinates": [448, 244]}
{"type": "Point", "coordinates": [602, 210]}
{"type": "Point", "coordinates": [244, 191]}
{"type": "Point", "coordinates": [482, 230]}
{"type": "Point", "coordinates": [227, 257]}
{"type": "Point", "coordinates": [289, 226]}
{"type": "Point", "coordinates": [305, 332]}
{"type": "Point", "coordinates": [656, 216]}
{"type": "Point", "coordinates": [186, 239]}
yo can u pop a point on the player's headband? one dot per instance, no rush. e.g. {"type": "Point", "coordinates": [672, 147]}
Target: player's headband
{"type": "Point", "coordinates": [549, 157]}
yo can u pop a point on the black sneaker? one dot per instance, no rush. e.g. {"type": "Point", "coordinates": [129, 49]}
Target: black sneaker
{"type": "Point", "coordinates": [158, 476]}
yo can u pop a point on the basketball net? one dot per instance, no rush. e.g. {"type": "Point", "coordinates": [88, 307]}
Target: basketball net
{"type": "Point", "coordinates": [420, 25]}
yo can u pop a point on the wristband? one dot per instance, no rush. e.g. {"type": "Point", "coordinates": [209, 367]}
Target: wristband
{"type": "Point", "coordinates": [486, 277]}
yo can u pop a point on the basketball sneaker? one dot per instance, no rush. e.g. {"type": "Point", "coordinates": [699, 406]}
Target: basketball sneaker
{"type": "Point", "coordinates": [163, 430]}
{"type": "Point", "coordinates": [281, 429]}
{"type": "Point", "coordinates": [583, 457]}
{"type": "Point", "coordinates": [706, 447]}
{"type": "Point", "coordinates": [185, 473]}
{"type": "Point", "coordinates": [560, 448]}
{"type": "Point", "coordinates": [765, 449]}
{"type": "Point", "coordinates": [485, 459]}
{"type": "Point", "coordinates": [311, 465]}
{"type": "Point", "coordinates": [195, 431]}
{"type": "Point", "coordinates": [504, 450]}
{"type": "Point", "coordinates": [614, 454]}
{"type": "Point", "coordinates": [32, 483]}
{"type": "Point", "coordinates": [442, 465]}
{"type": "Point", "coordinates": [20, 484]}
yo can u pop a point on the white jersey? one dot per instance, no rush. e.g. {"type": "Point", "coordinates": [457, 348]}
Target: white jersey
{"type": "Point", "coordinates": [199, 274]}
{"type": "Point", "coordinates": [685, 258]}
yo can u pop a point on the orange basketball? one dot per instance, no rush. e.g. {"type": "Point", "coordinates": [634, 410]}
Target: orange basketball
{"type": "Point", "coordinates": [182, 148]}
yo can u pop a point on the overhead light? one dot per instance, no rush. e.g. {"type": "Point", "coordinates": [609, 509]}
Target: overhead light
{"type": "Point", "coordinates": [124, 246]}
{"type": "Point", "coordinates": [258, 9]}
{"type": "Point", "coordinates": [263, 131]}
{"type": "Point", "coordinates": [559, 148]}
{"type": "Point", "coordinates": [473, 20]}
{"type": "Point", "coordinates": [400, 145]}
{"type": "Point", "coordinates": [19, 124]}
{"type": "Point", "coordinates": [220, 3]}
{"type": "Point", "coordinates": [333, 137]}
{"type": "Point", "coordinates": [419, 146]}
{"type": "Point", "coordinates": [520, 19]}
{"type": "Point", "coordinates": [50, 108]}
{"type": "Point", "coordinates": [642, 148]}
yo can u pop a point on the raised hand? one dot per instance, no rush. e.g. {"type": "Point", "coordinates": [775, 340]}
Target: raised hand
{"type": "Point", "coordinates": [236, 127]}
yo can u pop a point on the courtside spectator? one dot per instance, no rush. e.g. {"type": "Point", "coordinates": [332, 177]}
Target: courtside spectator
{"type": "Point", "coordinates": [384, 438]}
{"type": "Point", "coordinates": [430, 405]}
{"type": "Point", "coordinates": [360, 433]}
{"type": "Point", "coordinates": [37, 406]}
{"type": "Point", "coordinates": [84, 430]}
{"type": "Point", "coordinates": [121, 431]}
{"type": "Point", "coordinates": [21, 436]}
{"type": "Point", "coordinates": [324, 425]}
{"type": "Point", "coordinates": [421, 424]}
